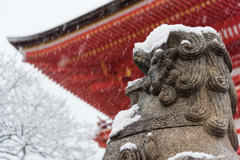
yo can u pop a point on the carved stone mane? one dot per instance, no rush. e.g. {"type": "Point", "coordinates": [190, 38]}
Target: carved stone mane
{"type": "Point", "coordinates": [186, 101]}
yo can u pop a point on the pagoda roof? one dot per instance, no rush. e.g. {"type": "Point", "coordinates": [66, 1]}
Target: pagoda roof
{"type": "Point", "coordinates": [91, 56]}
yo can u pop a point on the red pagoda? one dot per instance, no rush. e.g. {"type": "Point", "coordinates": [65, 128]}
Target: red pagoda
{"type": "Point", "coordinates": [91, 56]}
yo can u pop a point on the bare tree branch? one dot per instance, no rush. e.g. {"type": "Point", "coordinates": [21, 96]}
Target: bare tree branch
{"type": "Point", "coordinates": [33, 122]}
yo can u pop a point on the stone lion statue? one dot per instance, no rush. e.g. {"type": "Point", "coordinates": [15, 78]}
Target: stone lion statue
{"type": "Point", "coordinates": [186, 101]}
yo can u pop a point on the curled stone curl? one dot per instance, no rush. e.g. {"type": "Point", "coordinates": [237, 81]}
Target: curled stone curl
{"type": "Point", "coordinates": [217, 47]}
{"type": "Point", "coordinates": [218, 83]}
{"type": "Point", "coordinates": [155, 87]}
{"type": "Point", "coordinates": [197, 114]}
{"type": "Point", "coordinates": [161, 76]}
{"type": "Point", "coordinates": [168, 95]}
{"type": "Point", "coordinates": [216, 126]}
{"type": "Point", "coordinates": [193, 50]}
{"type": "Point", "coordinates": [167, 64]}
{"type": "Point", "coordinates": [128, 154]}
{"type": "Point", "coordinates": [189, 83]}
{"type": "Point", "coordinates": [171, 53]}
{"type": "Point", "coordinates": [173, 75]}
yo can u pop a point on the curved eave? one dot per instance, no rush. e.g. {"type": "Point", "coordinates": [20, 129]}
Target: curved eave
{"type": "Point", "coordinates": [74, 25]}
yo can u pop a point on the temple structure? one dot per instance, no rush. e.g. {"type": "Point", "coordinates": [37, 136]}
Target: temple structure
{"type": "Point", "coordinates": [91, 56]}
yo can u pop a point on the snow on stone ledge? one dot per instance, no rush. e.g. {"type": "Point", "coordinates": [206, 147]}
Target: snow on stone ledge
{"type": "Point", "coordinates": [195, 155]}
{"type": "Point", "coordinates": [128, 145]}
{"type": "Point", "coordinates": [160, 34]}
{"type": "Point", "coordinates": [124, 118]}
{"type": "Point", "coordinates": [131, 83]}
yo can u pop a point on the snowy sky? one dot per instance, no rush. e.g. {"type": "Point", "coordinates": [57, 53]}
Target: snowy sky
{"type": "Point", "coordinates": [28, 17]}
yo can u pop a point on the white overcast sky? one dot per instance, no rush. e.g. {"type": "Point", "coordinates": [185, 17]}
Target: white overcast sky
{"type": "Point", "coordinates": [28, 17]}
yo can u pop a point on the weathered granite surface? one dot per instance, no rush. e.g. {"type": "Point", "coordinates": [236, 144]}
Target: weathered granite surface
{"type": "Point", "coordinates": [186, 101]}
